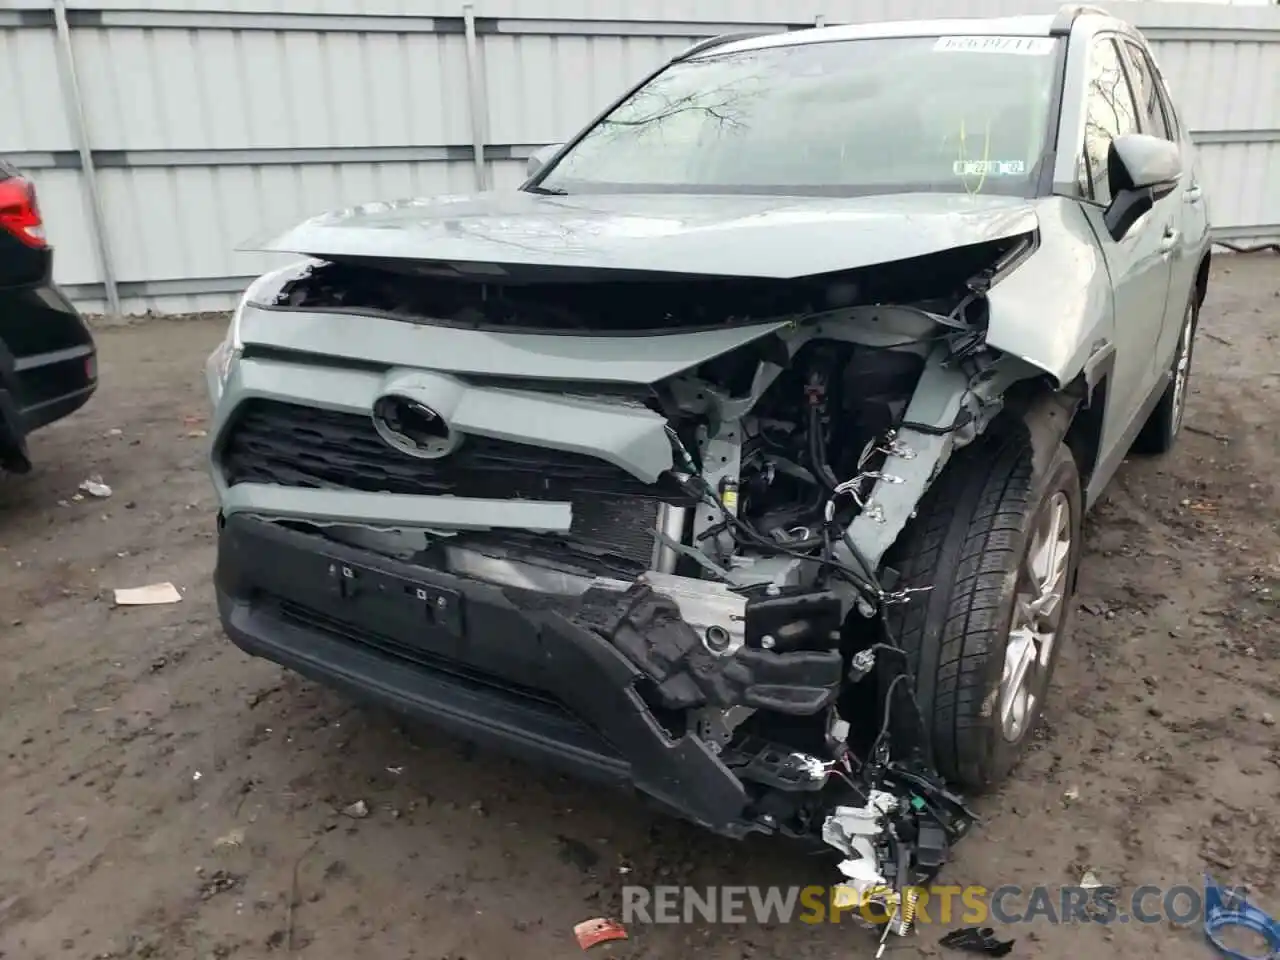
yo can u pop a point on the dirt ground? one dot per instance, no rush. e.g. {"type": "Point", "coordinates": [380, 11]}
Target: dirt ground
{"type": "Point", "coordinates": [163, 795]}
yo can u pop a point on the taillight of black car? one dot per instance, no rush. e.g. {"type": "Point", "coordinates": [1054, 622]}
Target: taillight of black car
{"type": "Point", "coordinates": [20, 213]}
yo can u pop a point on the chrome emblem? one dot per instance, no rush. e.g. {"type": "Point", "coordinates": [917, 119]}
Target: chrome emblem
{"type": "Point", "coordinates": [413, 428]}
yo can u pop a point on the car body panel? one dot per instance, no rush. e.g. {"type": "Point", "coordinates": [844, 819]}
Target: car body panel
{"type": "Point", "coordinates": [723, 236]}
{"type": "Point", "coordinates": [1140, 277]}
{"type": "Point", "coordinates": [342, 507]}
{"type": "Point", "coordinates": [387, 341]}
{"type": "Point", "coordinates": [1055, 309]}
{"type": "Point", "coordinates": [1194, 240]}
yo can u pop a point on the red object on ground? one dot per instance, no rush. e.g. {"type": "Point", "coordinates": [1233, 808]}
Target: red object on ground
{"type": "Point", "coordinates": [599, 930]}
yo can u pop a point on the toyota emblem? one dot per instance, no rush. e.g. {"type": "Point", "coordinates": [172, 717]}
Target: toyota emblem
{"type": "Point", "coordinates": [413, 428]}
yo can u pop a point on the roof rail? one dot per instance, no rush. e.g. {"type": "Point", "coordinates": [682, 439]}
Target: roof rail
{"type": "Point", "coordinates": [1066, 16]}
{"type": "Point", "coordinates": [712, 42]}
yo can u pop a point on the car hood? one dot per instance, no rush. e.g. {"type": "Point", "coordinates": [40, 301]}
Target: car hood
{"type": "Point", "coordinates": [748, 236]}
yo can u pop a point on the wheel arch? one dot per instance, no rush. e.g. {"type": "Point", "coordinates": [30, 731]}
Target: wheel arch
{"type": "Point", "coordinates": [1049, 419]}
{"type": "Point", "coordinates": [1071, 415]}
{"type": "Point", "coordinates": [1090, 391]}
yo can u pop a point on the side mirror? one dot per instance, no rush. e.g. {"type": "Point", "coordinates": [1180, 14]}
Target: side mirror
{"type": "Point", "coordinates": [1141, 169]}
{"type": "Point", "coordinates": [538, 159]}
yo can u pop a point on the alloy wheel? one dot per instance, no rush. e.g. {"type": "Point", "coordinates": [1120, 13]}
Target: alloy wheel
{"type": "Point", "coordinates": [1039, 604]}
{"type": "Point", "coordinates": [1182, 370]}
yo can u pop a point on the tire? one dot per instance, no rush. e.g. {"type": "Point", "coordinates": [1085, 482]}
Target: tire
{"type": "Point", "coordinates": [1161, 429]}
{"type": "Point", "coordinates": [970, 541]}
{"type": "Point", "coordinates": [13, 456]}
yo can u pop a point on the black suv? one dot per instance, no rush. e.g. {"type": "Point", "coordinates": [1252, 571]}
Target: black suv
{"type": "Point", "coordinates": [48, 365]}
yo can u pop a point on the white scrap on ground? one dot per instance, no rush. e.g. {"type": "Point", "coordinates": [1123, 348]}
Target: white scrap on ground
{"type": "Point", "coordinates": [94, 487]}
{"type": "Point", "coordinates": [150, 595]}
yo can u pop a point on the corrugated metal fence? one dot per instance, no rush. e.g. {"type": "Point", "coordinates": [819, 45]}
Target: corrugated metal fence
{"type": "Point", "coordinates": [208, 122]}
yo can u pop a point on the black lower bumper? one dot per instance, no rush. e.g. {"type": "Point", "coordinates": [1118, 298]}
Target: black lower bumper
{"type": "Point", "coordinates": [55, 408]}
{"type": "Point", "coordinates": [48, 364]}
{"type": "Point", "coordinates": [466, 657]}
{"type": "Point", "coordinates": [43, 395]}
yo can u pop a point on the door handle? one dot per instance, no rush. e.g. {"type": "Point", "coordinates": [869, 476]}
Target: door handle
{"type": "Point", "coordinates": [1192, 193]}
{"type": "Point", "coordinates": [1169, 240]}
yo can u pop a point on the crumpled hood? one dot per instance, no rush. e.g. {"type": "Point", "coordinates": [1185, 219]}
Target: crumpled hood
{"type": "Point", "coordinates": [755, 236]}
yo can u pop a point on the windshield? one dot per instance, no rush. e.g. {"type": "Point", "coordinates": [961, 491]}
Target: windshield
{"type": "Point", "coordinates": [949, 114]}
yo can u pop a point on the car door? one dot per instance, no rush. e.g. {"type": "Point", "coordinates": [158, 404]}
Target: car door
{"type": "Point", "coordinates": [1184, 206]}
{"type": "Point", "coordinates": [1195, 204]}
{"type": "Point", "coordinates": [1139, 262]}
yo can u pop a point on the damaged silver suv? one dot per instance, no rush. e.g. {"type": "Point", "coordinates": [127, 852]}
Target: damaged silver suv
{"type": "Point", "coordinates": [740, 454]}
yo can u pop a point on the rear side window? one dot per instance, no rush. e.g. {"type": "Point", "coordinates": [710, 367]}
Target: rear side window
{"type": "Point", "coordinates": [1146, 93]}
{"type": "Point", "coordinates": [1166, 101]}
{"type": "Point", "coordinates": [1111, 112]}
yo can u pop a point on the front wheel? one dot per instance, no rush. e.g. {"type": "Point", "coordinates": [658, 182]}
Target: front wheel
{"type": "Point", "coordinates": [999, 547]}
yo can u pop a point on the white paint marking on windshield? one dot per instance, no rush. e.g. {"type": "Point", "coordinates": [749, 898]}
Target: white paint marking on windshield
{"type": "Point", "coordinates": [1026, 46]}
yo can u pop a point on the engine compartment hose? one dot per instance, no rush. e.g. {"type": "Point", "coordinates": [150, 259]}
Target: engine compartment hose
{"type": "Point", "coordinates": [818, 450]}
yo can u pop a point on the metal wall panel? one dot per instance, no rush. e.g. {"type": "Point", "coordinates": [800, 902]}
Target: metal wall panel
{"type": "Point", "coordinates": [1243, 185]}
{"type": "Point", "coordinates": [214, 121]}
{"type": "Point", "coordinates": [585, 73]}
{"type": "Point", "coordinates": [1224, 86]}
{"type": "Point", "coordinates": [67, 218]}
{"type": "Point", "coordinates": [31, 93]}
{"type": "Point", "coordinates": [1178, 13]}
{"type": "Point", "coordinates": [229, 89]}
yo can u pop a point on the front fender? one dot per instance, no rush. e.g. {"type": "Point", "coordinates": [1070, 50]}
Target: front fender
{"type": "Point", "coordinates": [1055, 310]}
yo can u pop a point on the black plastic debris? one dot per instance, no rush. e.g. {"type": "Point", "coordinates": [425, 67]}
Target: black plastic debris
{"type": "Point", "coordinates": [977, 940]}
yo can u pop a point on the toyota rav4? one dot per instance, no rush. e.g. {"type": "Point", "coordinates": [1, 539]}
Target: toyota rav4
{"type": "Point", "coordinates": [740, 454]}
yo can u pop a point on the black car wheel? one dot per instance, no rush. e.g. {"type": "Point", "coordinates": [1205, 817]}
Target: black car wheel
{"type": "Point", "coordinates": [999, 546]}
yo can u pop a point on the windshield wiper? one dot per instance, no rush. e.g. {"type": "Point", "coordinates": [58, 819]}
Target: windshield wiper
{"type": "Point", "coordinates": [547, 191]}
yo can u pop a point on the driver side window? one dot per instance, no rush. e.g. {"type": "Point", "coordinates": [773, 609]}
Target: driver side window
{"type": "Point", "coordinates": [1153, 118]}
{"type": "Point", "coordinates": [1110, 113]}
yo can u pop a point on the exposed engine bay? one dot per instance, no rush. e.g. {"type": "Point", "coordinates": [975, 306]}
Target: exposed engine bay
{"type": "Point", "coordinates": [748, 583]}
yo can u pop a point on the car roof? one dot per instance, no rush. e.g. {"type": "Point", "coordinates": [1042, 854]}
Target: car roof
{"type": "Point", "coordinates": [1025, 26]}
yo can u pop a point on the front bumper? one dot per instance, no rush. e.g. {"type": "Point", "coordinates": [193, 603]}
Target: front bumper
{"type": "Point", "coordinates": [493, 665]}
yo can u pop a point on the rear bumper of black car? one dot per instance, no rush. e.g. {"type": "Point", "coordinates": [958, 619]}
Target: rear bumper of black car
{"type": "Point", "coordinates": [461, 655]}
{"type": "Point", "coordinates": [48, 362]}
{"type": "Point", "coordinates": [55, 385]}
{"type": "Point", "coordinates": [42, 392]}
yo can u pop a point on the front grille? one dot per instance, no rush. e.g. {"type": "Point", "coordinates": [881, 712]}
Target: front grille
{"type": "Point", "coordinates": [299, 446]}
